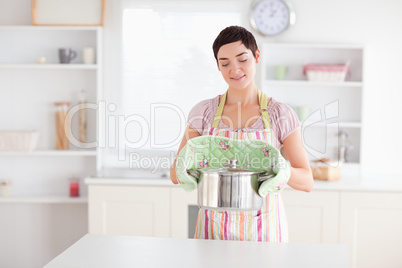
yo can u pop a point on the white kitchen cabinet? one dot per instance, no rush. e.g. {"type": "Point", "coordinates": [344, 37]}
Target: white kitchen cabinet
{"type": "Point", "coordinates": [129, 210]}
{"type": "Point", "coordinates": [182, 202]}
{"type": "Point", "coordinates": [141, 210]}
{"type": "Point", "coordinates": [334, 106]}
{"type": "Point", "coordinates": [34, 231]}
{"type": "Point", "coordinates": [370, 224]}
{"type": "Point", "coordinates": [366, 221]}
{"type": "Point", "coordinates": [312, 217]}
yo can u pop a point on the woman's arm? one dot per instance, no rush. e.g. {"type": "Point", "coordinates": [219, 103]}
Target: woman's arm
{"type": "Point", "coordinates": [301, 177]}
{"type": "Point", "coordinates": [188, 134]}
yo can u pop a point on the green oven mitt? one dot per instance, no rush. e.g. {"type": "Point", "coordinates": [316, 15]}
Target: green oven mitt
{"type": "Point", "coordinates": [210, 152]}
{"type": "Point", "coordinates": [279, 181]}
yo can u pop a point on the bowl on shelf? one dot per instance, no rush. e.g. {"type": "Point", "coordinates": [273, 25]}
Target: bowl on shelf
{"type": "Point", "coordinates": [19, 140]}
{"type": "Point", "coordinates": [326, 72]}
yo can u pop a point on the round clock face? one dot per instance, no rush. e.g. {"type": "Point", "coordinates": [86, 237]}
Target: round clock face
{"type": "Point", "coordinates": [271, 17]}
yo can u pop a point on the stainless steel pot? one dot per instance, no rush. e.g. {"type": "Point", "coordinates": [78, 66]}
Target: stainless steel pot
{"type": "Point", "coordinates": [232, 187]}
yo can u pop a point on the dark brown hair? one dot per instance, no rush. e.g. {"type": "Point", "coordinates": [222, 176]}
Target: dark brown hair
{"type": "Point", "coordinates": [233, 34]}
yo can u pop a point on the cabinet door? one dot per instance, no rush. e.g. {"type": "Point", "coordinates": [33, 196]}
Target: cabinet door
{"type": "Point", "coordinates": [371, 225]}
{"type": "Point", "coordinates": [32, 234]}
{"type": "Point", "coordinates": [129, 210]}
{"type": "Point", "coordinates": [312, 217]}
{"type": "Point", "coordinates": [182, 202]}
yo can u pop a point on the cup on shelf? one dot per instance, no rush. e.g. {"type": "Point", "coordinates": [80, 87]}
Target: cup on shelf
{"type": "Point", "coordinates": [5, 188]}
{"type": "Point", "coordinates": [280, 72]}
{"type": "Point", "coordinates": [88, 55]}
{"type": "Point", "coordinates": [66, 55]}
{"type": "Point", "coordinates": [303, 112]}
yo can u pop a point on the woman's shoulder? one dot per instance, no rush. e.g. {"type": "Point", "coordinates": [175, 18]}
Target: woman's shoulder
{"type": "Point", "coordinates": [283, 119]}
{"type": "Point", "coordinates": [203, 113]}
{"type": "Point", "coordinates": [278, 108]}
{"type": "Point", "coordinates": [205, 106]}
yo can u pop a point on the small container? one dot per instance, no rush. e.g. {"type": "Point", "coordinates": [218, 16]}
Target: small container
{"type": "Point", "coordinates": [280, 72]}
{"type": "Point", "coordinates": [326, 170]}
{"type": "Point", "coordinates": [82, 117]}
{"type": "Point", "coordinates": [62, 125]}
{"type": "Point", "coordinates": [88, 55]}
{"type": "Point", "coordinates": [74, 184]}
{"type": "Point", "coordinates": [5, 188]}
{"type": "Point", "coordinates": [41, 60]}
{"type": "Point", "coordinates": [303, 112]}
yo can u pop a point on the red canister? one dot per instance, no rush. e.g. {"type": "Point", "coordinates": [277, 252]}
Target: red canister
{"type": "Point", "coordinates": [74, 188]}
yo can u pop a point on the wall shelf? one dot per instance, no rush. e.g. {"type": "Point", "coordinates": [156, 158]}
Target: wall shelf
{"type": "Point", "coordinates": [48, 66]}
{"type": "Point", "coordinates": [309, 83]}
{"type": "Point", "coordinates": [51, 153]}
{"type": "Point", "coordinates": [332, 106]}
{"type": "Point", "coordinates": [315, 46]}
{"type": "Point", "coordinates": [333, 125]}
{"type": "Point", "coordinates": [46, 28]}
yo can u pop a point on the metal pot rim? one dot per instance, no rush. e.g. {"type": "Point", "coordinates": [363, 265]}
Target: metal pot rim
{"type": "Point", "coordinates": [232, 171]}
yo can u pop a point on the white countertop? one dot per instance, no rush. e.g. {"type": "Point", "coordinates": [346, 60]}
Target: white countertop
{"type": "Point", "coordinates": [351, 180]}
{"type": "Point", "coordinates": [104, 251]}
{"type": "Point", "coordinates": [44, 199]}
{"type": "Point", "coordinates": [384, 184]}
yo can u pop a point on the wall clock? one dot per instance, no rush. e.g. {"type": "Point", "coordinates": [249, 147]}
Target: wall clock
{"type": "Point", "coordinates": [272, 17]}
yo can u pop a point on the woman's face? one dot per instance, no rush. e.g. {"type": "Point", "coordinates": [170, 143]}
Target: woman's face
{"type": "Point", "coordinates": [237, 64]}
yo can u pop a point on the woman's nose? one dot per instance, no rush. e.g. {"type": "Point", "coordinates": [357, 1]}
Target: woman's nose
{"type": "Point", "coordinates": [235, 68]}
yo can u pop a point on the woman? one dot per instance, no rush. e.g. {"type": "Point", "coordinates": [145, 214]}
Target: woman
{"type": "Point", "coordinates": [240, 111]}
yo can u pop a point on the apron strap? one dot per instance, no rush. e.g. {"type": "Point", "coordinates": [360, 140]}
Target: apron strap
{"type": "Point", "coordinates": [262, 98]}
{"type": "Point", "coordinates": [219, 111]}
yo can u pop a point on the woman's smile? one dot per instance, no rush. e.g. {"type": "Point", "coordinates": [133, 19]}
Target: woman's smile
{"type": "Point", "coordinates": [238, 78]}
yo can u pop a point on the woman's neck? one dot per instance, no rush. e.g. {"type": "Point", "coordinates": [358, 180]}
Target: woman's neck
{"type": "Point", "coordinates": [245, 96]}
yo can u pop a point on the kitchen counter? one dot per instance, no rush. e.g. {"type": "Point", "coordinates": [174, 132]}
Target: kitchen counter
{"type": "Point", "coordinates": [346, 183]}
{"type": "Point", "coordinates": [351, 180]}
{"type": "Point", "coordinates": [104, 251]}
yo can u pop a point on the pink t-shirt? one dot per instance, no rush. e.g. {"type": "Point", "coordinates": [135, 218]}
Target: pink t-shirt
{"type": "Point", "coordinates": [283, 119]}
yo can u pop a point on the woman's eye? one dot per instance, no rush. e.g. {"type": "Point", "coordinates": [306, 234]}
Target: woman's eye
{"type": "Point", "coordinates": [243, 60]}
{"type": "Point", "coordinates": [225, 64]}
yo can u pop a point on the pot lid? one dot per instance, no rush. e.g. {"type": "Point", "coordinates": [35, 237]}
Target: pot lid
{"type": "Point", "coordinates": [231, 168]}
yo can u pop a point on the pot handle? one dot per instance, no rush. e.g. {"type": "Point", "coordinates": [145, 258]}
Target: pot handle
{"type": "Point", "coordinates": [231, 163]}
{"type": "Point", "coordinates": [194, 173]}
{"type": "Point", "coordinates": [266, 177]}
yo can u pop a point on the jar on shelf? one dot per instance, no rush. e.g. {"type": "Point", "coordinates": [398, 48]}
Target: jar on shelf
{"type": "Point", "coordinates": [82, 117]}
{"type": "Point", "coordinates": [74, 184]}
{"type": "Point", "coordinates": [62, 124]}
{"type": "Point", "coordinates": [5, 188]}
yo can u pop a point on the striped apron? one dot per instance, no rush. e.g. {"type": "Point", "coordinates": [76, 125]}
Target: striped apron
{"type": "Point", "coordinates": [267, 224]}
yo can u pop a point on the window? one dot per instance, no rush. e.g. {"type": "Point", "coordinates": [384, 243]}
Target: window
{"type": "Point", "coordinates": [167, 58]}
